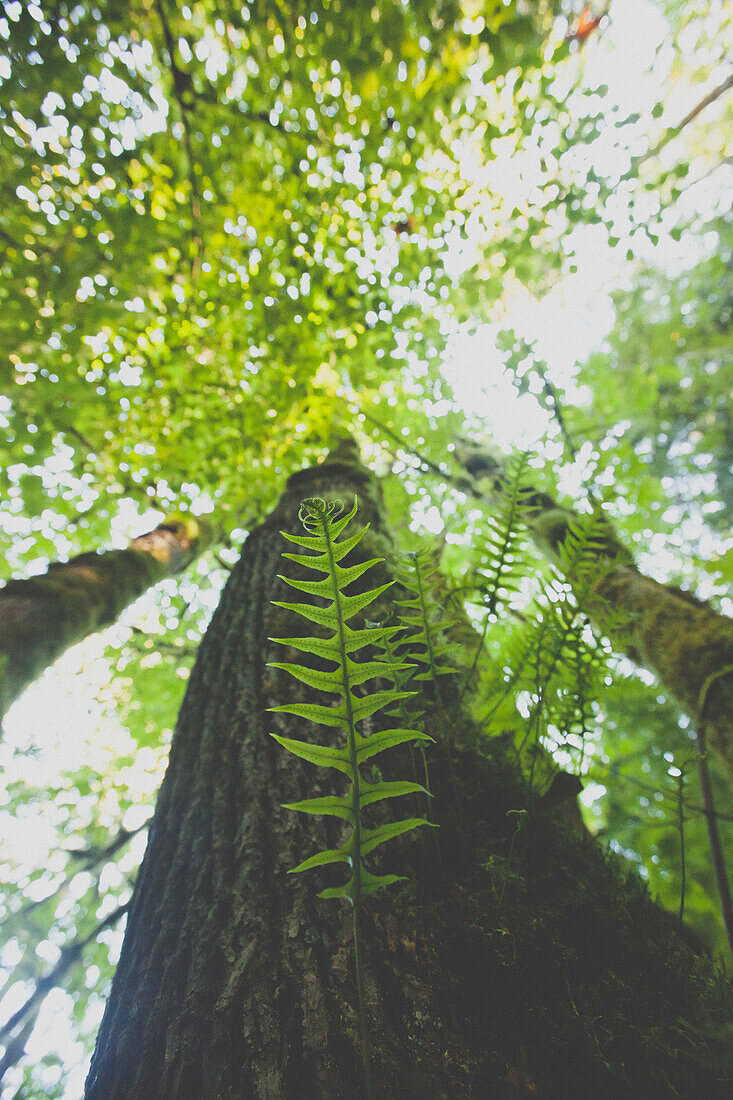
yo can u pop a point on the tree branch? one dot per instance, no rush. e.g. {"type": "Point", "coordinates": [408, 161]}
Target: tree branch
{"type": "Point", "coordinates": [25, 1017]}
{"type": "Point", "coordinates": [672, 131]}
{"type": "Point", "coordinates": [92, 857]}
{"type": "Point", "coordinates": [44, 615]}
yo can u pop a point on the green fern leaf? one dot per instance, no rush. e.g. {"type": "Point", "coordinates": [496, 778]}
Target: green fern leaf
{"type": "Point", "coordinates": [322, 859]}
{"type": "Point", "coordinates": [372, 838]}
{"type": "Point", "coordinates": [323, 755]}
{"type": "Point", "coordinates": [387, 739]}
{"type": "Point", "coordinates": [369, 884]}
{"type": "Point", "coordinates": [329, 805]}
{"type": "Point", "coordinates": [421, 616]}
{"type": "Point", "coordinates": [325, 523]}
{"type": "Point", "coordinates": [350, 641]}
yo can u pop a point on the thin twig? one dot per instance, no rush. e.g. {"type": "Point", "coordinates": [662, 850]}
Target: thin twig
{"type": "Point", "coordinates": [91, 856]}
{"type": "Point", "coordinates": [553, 399]}
{"type": "Point", "coordinates": [440, 471]}
{"type": "Point", "coordinates": [681, 818]}
{"type": "Point", "coordinates": [15, 1049]}
{"type": "Point", "coordinates": [705, 102]}
{"type": "Point", "coordinates": [69, 955]}
{"type": "Point", "coordinates": [614, 771]}
{"type": "Point", "coordinates": [672, 131]}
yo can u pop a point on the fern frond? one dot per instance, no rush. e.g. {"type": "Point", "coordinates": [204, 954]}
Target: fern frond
{"type": "Point", "coordinates": [580, 554]}
{"type": "Point", "coordinates": [421, 616]}
{"type": "Point", "coordinates": [556, 658]}
{"type": "Point", "coordinates": [407, 710]}
{"type": "Point", "coordinates": [503, 555]}
{"type": "Point", "coordinates": [325, 523]}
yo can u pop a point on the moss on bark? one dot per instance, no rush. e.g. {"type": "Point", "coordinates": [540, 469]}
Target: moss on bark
{"type": "Point", "coordinates": [41, 617]}
{"type": "Point", "coordinates": [683, 640]}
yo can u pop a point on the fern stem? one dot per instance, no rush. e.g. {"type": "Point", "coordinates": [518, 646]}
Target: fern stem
{"type": "Point", "coordinates": [366, 1051]}
{"type": "Point", "coordinates": [426, 624]}
{"type": "Point", "coordinates": [426, 784]}
{"type": "Point", "coordinates": [474, 663]}
{"type": "Point", "coordinates": [356, 805]}
{"type": "Point", "coordinates": [681, 821]}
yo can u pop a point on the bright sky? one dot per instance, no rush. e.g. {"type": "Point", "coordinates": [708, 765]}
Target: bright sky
{"type": "Point", "coordinates": [67, 716]}
{"type": "Point", "coordinates": [571, 321]}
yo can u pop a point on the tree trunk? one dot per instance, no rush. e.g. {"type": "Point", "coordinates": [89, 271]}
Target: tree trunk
{"type": "Point", "coordinates": [511, 965]}
{"type": "Point", "coordinates": [41, 617]}
{"type": "Point", "coordinates": [681, 639]}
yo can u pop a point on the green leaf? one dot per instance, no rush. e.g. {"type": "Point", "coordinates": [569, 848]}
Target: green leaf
{"type": "Point", "coordinates": [370, 704]}
{"type": "Point", "coordinates": [341, 679]}
{"type": "Point", "coordinates": [387, 739]}
{"type": "Point", "coordinates": [369, 885]}
{"type": "Point", "coordinates": [370, 670]}
{"type": "Point", "coordinates": [313, 588]}
{"type": "Point", "coordinates": [329, 805]}
{"type": "Point", "coordinates": [375, 792]}
{"type": "Point", "coordinates": [313, 677]}
{"type": "Point", "coordinates": [350, 605]}
{"type": "Point", "coordinates": [330, 648]}
{"type": "Point", "coordinates": [372, 838]}
{"type": "Point", "coordinates": [314, 712]}
{"type": "Point", "coordinates": [322, 755]}
{"type": "Point", "coordinates": [321, 859]}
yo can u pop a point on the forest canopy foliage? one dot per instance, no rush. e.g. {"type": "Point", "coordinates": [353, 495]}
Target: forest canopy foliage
{"type": "Point", "coordinates": [232, 234]}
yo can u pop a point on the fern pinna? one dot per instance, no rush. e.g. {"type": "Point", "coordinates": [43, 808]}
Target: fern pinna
{"type": "Point", "coordinates": [325, 523]}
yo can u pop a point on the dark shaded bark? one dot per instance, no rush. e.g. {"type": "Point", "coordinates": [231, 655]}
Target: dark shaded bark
{"type": "Point", "coordinates": [683, 640]}
{"type": "Point", "coordinates": [550, 976]}
{"type": "Point", "coordinates": [41, 617]}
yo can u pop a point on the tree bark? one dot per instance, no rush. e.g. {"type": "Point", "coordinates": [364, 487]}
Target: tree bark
{"type": "Point", "coordinates": [685, 642]}
{"type": "Point", "coordinates": [510, 965]}
{"type": "Point", "coordinates": [41, 617]}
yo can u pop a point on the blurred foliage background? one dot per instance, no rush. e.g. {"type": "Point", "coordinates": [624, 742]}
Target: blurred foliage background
{"type": "Point", "coordinates": [229, 233]}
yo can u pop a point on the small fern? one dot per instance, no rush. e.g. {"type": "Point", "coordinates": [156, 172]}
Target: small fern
{"type": "Point", "coordinates": [556, 657]}
{"type": "Point", "coordinates": [407, 711]}
{"type": "Point", "coordinates": [421, 616]}
{"type": "Point", "coordinates": [583, 550]}
{"type": "Point", "coordinates": [503, 554]}
{"type": "Point", "coordinates": [325, 524]}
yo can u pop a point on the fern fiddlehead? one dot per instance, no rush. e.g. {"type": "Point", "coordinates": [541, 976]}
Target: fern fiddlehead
{"type": "Point", "coordinates": [325, 523]}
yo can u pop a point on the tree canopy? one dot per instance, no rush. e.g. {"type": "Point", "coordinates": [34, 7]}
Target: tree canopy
{"type": "Point", "coordinates": [232, 234]}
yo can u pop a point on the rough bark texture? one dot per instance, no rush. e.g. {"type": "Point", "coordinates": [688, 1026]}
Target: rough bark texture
{"type": "Point", "coordinates": [683, 640]}
{"type": "Point", "coordinates": [236, 981]}
{"type": "Point", "coordinates": [41, 617]}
